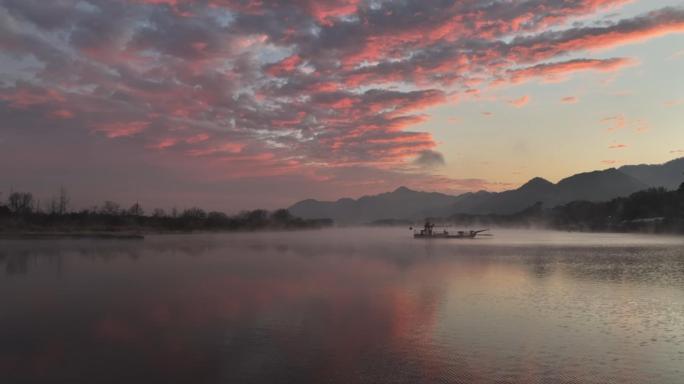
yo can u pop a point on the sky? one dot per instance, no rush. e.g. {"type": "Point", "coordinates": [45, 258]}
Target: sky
{"type": "Point", "coordinates": [239, 104]}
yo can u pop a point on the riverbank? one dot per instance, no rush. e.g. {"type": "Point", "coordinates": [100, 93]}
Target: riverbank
{"type": "Point", "coordinates": [126, 225]}
{"type": "Point", "coordinates": [70, 235]}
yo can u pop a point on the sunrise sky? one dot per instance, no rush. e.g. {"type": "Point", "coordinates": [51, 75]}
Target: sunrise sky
{"type": "Point", "coordinates": [230, 104]}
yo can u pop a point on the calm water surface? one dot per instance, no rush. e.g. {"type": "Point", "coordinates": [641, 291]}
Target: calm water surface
{"type": "Point", "coordinates": [343, 306]}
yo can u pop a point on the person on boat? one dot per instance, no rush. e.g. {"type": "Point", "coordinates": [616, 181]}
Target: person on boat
{"type": "Point", "coordinates": [428, 228]}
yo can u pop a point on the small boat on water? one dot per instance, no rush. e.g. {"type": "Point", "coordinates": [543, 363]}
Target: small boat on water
{"type": "Point", "coordinates": [428, 232]}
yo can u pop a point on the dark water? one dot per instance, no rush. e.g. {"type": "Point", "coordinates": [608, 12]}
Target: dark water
{"type": "Point", "coordinates": [343, 306]}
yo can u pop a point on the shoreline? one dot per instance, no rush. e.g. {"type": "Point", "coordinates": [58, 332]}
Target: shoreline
{"type": "Point", "coordinates": [139, 234]}
{"type": "Point", "coordinates": [70, 235]}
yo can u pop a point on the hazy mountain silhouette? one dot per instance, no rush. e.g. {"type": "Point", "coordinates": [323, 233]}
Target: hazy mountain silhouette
{"type": "Point", "coordinates": [404, 203]}
{"type": "Point", "coordinates": [590, 186]}
{"type": "Point", "coordinates": [401, 203]}
{"type": "Point", "coordinates": [668, 175]}
{"type": "Point", "coordinates": [511, 201]}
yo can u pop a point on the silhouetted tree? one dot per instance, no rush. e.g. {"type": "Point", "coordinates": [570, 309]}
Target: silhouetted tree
{"type": "Point", "coordinates": [136, 210]}
{"type": "Point", "coordinates": [282, 216]}
{"type": "Point", "coordinates": [4, 210]}
{"type": "Point", "coordinates": [194, 213]}
{"type": "Point", "coordinates": [63, 202]}
{"type": "Point", "coordinates": [256, 219]}
{"type": "Point", "coordinates": [158, 213]}
{"type": "Point", "coordinates": [58, 205]}
{"type": "Point", "coordinates": [53, 206]}
{"type": "Point", "coordinates": [192, 218]}
{"type": "Point", "coordinates": [110, 208]}
{"type": "Point", "coordinates": [217, 219]}
{"type": "Point", "coordinates": [20, 202]}
{"type": "Point", "coordinates": [111, 217]}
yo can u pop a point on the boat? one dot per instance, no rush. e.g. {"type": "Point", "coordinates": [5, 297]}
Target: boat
{"type": "Point", "coordinates": [428, 232]}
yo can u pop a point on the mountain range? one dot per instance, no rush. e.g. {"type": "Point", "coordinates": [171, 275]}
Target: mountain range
{"type": "Point", "coordinates": [404, 203]}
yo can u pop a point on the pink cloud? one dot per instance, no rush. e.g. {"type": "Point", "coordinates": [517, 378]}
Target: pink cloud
{"type": "Point", "coordinates": [609, 162]}
{"type": "Point", "coordinates": [674, 102]}
{"type": "Point", "coordinates": [615, 123]}
{"type": "Point", "coordinates": [520, 102]}
{"type": "Point", "coordinates": [552, 72]}
{"type": "Point", "coordinates": [200, 137]}
{"type": "Point", "coordinates": [220, 149]}
{"type": "Point", "coordinates": [150, 73]}
{"type": "Point", "coordinates": [641, 126]}
{"type": "Point", "coordinates": [116, 130]}
{"type": "Point", "coordinates": [620, 122]}
{"type": "Point", "coordinates": [169, 142]}
{"type": "Point", "coordinates": [284, 66]}
{"type": "Point", "coordinates": [324, 10]}
{"type": "Point", "coordinates": [23, 97]}
{"type": "Point", "coordinates": [654, 24]}
{"type": "Point", "coordinates": [164, 143]}
{"type": "Point", "coordinates": [63, 114]}
{"type": "Point", "coordinates": [570, 100]}
{"type": "Point", "coordinates": [617, 146]}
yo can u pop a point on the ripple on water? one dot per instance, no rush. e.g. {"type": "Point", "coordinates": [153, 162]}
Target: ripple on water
{"type": "Point", "coordinates": [346, 306]}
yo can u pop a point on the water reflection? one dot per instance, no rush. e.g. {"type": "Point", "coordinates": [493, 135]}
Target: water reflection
{"type": "Point", "coordinates": [341, 306]}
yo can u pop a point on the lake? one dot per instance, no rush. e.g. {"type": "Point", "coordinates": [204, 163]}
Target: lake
{"type": "Point", "coordinates": [343, 306]}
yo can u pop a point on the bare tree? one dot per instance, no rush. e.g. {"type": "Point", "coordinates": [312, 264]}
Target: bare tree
{"type": "Point", "coordinates": [158, 212]}
{"type": "Point", "coordinates": [136, 210]}
{"type": "Point", "coordinates": [194, 213]}
{"type": "Point", "coordinates": [20, 202]}
{"type": "Point", "coordinates": [110, 208]}
{"type": "Point", "coordinates": [4, 210]}
{"type": "Point", "coordinates": [63, 203]}
{"type": "Point", "coordinates": [53, 206]}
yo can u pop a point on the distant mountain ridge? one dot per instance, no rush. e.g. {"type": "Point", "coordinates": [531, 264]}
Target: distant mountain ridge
{"type": "Point", "coordinates": [401, 203]}
{"type": "Point", "coordinates": [404, 203]}
{"type": "Point", "coordinates": [590, 186]}
{"type": "Point", "coordinates": [668, 175]}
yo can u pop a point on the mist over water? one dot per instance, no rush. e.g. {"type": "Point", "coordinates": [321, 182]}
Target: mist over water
{"type": "Point", "coordinates": [353, 305]}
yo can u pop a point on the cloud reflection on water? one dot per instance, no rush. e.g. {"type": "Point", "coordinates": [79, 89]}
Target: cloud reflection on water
{"type": "Point", "coordinates": [340, 306]}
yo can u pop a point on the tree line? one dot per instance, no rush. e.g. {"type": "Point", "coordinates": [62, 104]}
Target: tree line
{"type": "Point", "coordinates": [655, 210]}
{"type": "Point", "coordinates": [651, 210]}
{"type": "Point", "coordinates": [22, 212]}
